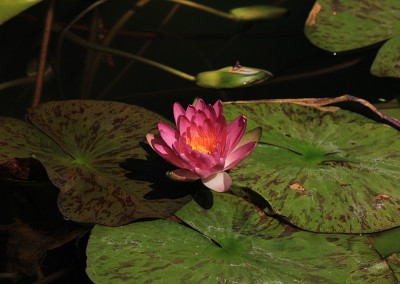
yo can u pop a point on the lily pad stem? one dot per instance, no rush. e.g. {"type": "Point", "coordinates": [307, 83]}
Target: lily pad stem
{"type": "Point", "coordinates": [117, 52]}
{"type": "Point", "coordinates": [205, 9]}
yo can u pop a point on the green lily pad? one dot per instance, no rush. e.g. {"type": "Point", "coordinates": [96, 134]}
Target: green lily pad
{"type": "Point", "coordinates": [11, 8]}
{"type": "Point", "coordinates": [394, 263]}
{"type": "Point", "coordinates": [387, 61]}
{"type": "Point", "coordinates": [232, 242]}
{"type": "Point", "coordinates": [232, 77]}
{"type": "Point", "coordinates": [346, 25]}
{"type": "Point", "coordinates": [387, 242]}
{"type": "Point", "coordinates": [85, 147]}
{"type": "Point", "coordinates": [322, 171]}
{"type": "Point", "coordinates": [258, 13]}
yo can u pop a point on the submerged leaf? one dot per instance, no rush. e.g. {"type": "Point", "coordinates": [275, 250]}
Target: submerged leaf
{"type": "Point", "coordinates": [232, 242]}
{"type": "Point", "coordinates": [322, 170]}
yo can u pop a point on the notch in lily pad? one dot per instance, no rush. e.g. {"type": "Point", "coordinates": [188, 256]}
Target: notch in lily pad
{"type": "Point", "coordinates": [258, 13]}
{"type": "Point", "coordinates": [233, 77]}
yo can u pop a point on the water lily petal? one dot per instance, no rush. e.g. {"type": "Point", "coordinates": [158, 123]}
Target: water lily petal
{"type": "Point", "coordinates": [168, 134]}
{"type": "Point", "coordinates": [218, 181]}
{"type": "Point", "coordinates": [178, 111]}
{"type": "Point", "coordinates": [183, 124]}
{"type": "Point", "coordinates": [190, 112]}
{"type": "Point", "coordinates": [210, 113]}
{"type": "Point", "coordinates": [235, 131]}
{"type": "Point", "coordinates": [202, 173]}
{"type": "Point", "coordinates": [253, 135]}
{"type": "Point", "coordinates": [182, 175]}
{"type": "Point", "coordinates": [158, 144]}
{"type": "Point", "coordinates": [218, 108]}
{"type": "Point", "coordinates": [206, 161]}
{"type": "Point", "coordinates": [238, 155]}
{"type": "Point", "coordinates": [221, 127]}
{"type": "Point", "coordinates": [199, 118]}
{"type": "Point", "coordinates": [200, 104]}
{"type": "Point", "coordinates": [219, 166]}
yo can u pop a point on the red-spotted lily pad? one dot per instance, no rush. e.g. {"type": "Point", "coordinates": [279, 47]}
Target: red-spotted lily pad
{"type": "Point", "coordinates": [91, 151]}
{"type": "Point", "coordinates": [346, 25]}
{"type": "Point", "coordinates": [322, 171]}
{"type": "Point", "coordinates": [232, 242]}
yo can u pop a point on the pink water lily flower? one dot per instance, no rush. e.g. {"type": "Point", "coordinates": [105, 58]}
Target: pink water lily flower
{"type": "Point", "coordinates": [204, 146]}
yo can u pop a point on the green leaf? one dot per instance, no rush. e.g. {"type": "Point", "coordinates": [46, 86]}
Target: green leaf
{"type": "Point", "coordinates": [92, 152]}
{"type": "Point", "coordinates": [387, 242]}
{"type": "Point", "coordinates": [258, 13]}
{"type": "Point", "coordinates": [232, 242]}
{"type": "Point", "coordinates": [11, 8]}
{"type": "Point", "coordinates": [387, 61]}
{"type": "Point", "coordinates": [394, 263]}
{"type": "Point", "coordinates": [345, 25]}
{"type": "Point", "coordinates": [322, 171]}
{"type": "Point", "coordinates": [232, 77]}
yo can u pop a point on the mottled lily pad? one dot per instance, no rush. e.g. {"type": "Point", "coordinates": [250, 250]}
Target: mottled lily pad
{"type": "Point", "coordinates": [394, 263]}
{"type": "Point", "coordinates": [387, 61]}
{"type": "Point", "coordinates": [322, 171]}
{"type": "Point", "coordinates": [86, 147]}
{"type": "Point", "coordinates": [10, 8]}
{"type": "Point", "coordinates": [346, 25]}
{"type": "Point", "coordinates": [232, 242]}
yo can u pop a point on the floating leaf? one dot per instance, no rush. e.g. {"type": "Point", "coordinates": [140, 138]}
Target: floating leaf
{"type": "Point", "coordinates": [232, 242]}
{"type": "Point", "coordinates": [233, 77]}
{"type": "Point", "coordinates": [387, 61]}
{"type": "Point", "coordinates": [387, 242]}
{"type": "Point", "coordinates": [346, 25]}
{"type": "Point", "coordinates": [322, 170]}
{"type": "Point", "coordinates": [394, 263]}
{"type": "Point", "coordinates": [258, 13]}
{"type": "Point", "coordinates": [10, 8]}
{"type": "Point", "coordinates": [90, 143]}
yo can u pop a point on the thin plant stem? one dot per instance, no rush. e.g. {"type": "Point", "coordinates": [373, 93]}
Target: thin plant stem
{"type": "Point", "coordinates": [205, 9]}
{"type": "Point", "coordinates": [128, 66]}
{"type": "Point", "coordinates": [117, 52]}
{"type": "Point", "coordinates": [43, 54]}
{"type": "Point", "coordinates": [89, 79]}
{"type": "Point", "coordinates": [91, 54]}
{"type": "Point", "coordinates": [61, 39]}
{"type": "Point", "coordinates": [17, 82]}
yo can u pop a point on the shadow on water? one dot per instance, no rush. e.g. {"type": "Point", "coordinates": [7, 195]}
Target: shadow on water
{"type": "Point", "coordinates": [153, 169]}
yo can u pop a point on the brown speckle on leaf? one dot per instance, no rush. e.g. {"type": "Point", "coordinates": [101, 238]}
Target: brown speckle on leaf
{"type": "Point", "coordinates": [382, 196]}
{"type": "Point", "coordinates": [297, 186]}
{"type": "Point", "coordinates": [311, 20]}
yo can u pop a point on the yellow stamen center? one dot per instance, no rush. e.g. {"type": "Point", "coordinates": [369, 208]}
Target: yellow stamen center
{"type": "Point", "coordinates": [202, 142]}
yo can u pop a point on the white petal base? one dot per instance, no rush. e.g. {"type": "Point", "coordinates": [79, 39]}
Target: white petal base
{"type": "Point", "coordinates": [219, 181]}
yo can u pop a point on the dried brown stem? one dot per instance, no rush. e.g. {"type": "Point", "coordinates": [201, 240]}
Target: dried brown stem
{"type": "Point", "coordinates": [43, 54]}
{"type": "Point", "coordinates": [146, 45]}
{"type": "Point", "coordinates": [107, 41]}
